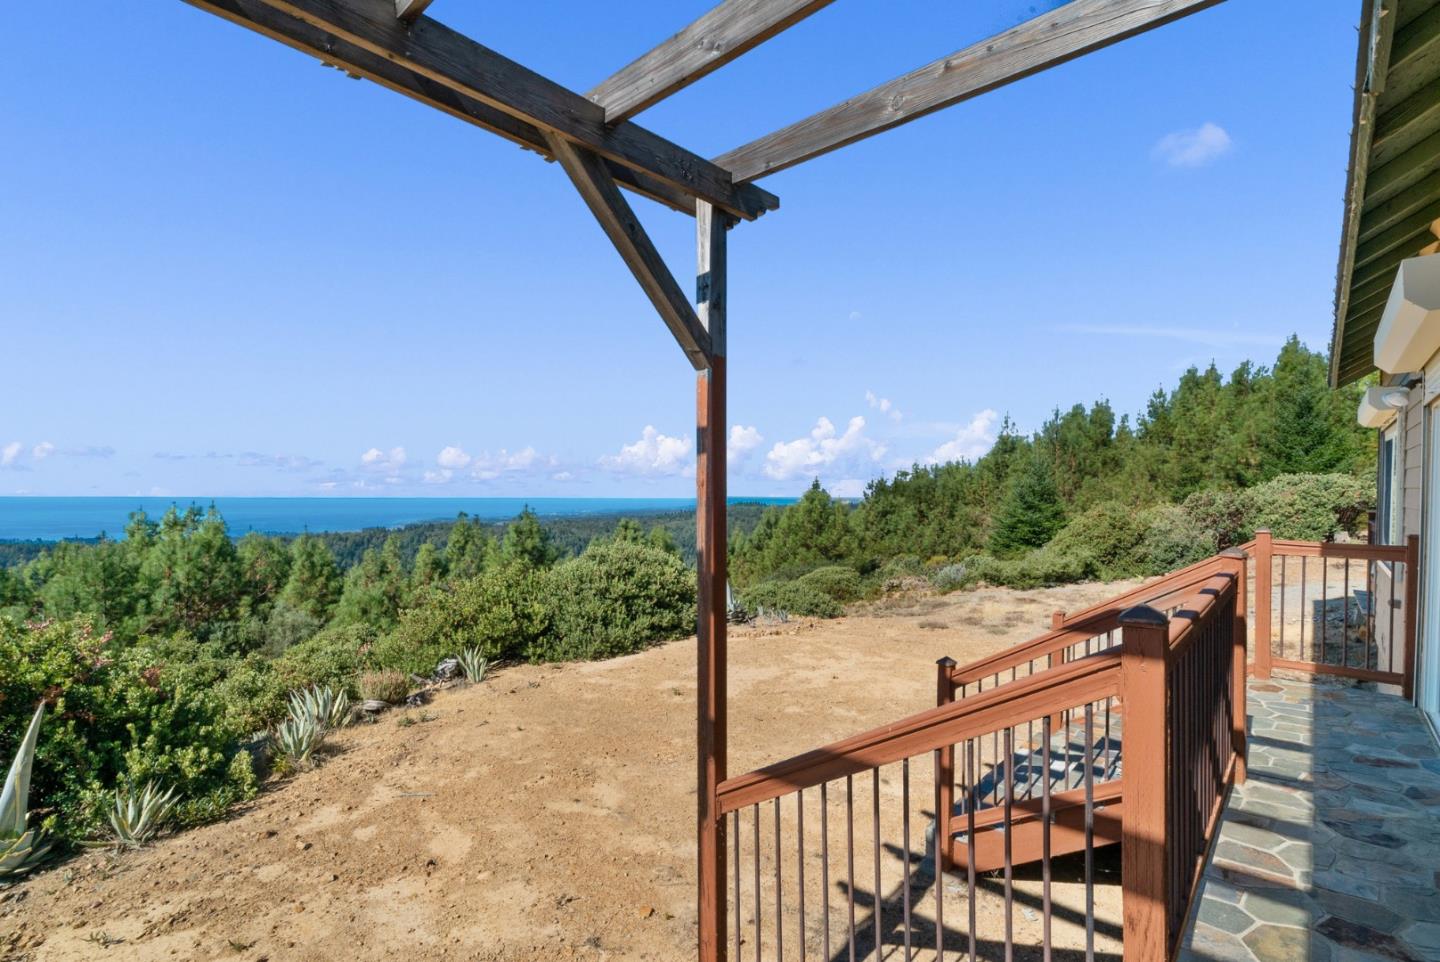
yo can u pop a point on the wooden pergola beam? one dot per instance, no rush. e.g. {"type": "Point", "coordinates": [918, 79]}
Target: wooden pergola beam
{"type": "Point", "coordinates": [437, 53]}
{"type": "Point", "coordinates": [597, 188]}
{"type": "Point", "coordinates": [410, 9]}
{"type": "Point", "coordinates": [298, 35]}
{"type": "Point", "coordinates": [709, 43]}
{"type": "Point", "coordinates": [1065, 33]}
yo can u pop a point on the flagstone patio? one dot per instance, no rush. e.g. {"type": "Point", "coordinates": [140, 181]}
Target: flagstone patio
{"type": "Point", "coordinates": [1331, 851]}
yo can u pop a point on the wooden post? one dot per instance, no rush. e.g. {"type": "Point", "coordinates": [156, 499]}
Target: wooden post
{"type": "Point", "coordinates": [1145, 878]}
{"type": "Point", "coordinates": [1412, 604]}
{"type": "Point", "coordinates": [944, 856]}
{"type": "Point", "coordinates": [1057, 620]}
{"type": "Point", "coordinates": [711, 544]}
{"type": "Point", "coordinates": [1239, 711]}
{"type": "Point", "coordinates": [1264, 572]}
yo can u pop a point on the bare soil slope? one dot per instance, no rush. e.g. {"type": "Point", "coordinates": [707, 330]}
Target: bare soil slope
{"type": "Point", "coordinates": [548, 813]}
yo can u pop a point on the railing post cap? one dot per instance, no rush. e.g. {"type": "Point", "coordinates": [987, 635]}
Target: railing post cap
{"type": "Point", "coordinates": [1233, 553]}
{"type": "Point", "coordinates": [946, 662]}
{"type": "Point", "coordinates": [1143, 616]}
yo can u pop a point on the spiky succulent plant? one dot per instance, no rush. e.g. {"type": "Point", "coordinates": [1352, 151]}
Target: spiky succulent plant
{"type": "Point", "coordinates": [21, 847]}
{"type": "Point", "coordinates": [298, 738]}
{"type": "Point", "coordinates": [472, 665]}
{"type": "Point", "coordinates": [139, 814]}
{"type": "Point", "coordinates": [328, 708]}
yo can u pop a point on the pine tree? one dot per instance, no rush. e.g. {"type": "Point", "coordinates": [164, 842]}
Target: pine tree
{"type": "Point", "coordinates": [528, 543]}
{"type": "Point", "coordinates": [1031, 512]}
{"type": "Point", "coordinates": [314, 582]}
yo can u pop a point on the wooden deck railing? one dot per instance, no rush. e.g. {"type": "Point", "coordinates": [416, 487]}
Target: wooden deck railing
{"type": "Point", "coordinates": [1337, 609]}
{"type": "Point", "coordinates": [1022, 760]}
{"type": "Point", "coordinates": [1024, 766]}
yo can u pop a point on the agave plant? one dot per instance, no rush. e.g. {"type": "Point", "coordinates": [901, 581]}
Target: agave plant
{"type": "Point", "coordinates": [21, 846]}
{"type": "Point", "coordinates": [299, 737]}
{"type": "Point", "coordinates": [329, 709]}
{"type": "Point", "coordinates": [472, 665]}
{"type": "Point", "coordinates": [139, 815]}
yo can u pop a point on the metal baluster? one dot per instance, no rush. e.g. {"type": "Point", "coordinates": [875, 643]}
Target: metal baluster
{"type": "Point", "coordinates": [825, 866]}
{"type": "Point", "coordinates": [1345, 625]}
{"type": "Point", "coordinates": [800, 862]}
{"type": "Point", "coordinates": [756, 809]}
{"type": "Point", "coordinates": [736, 825]}
{"type": "Point", "coordinates": [1089, 836]}
{"type": "Point", "coordinates": [1045, 843]}
{"type": "Point", "coordinates": [905, 838]}
{"type": "Point", "coordinates": [1009, 834]}
{"type": "Point", "coordinates": [875, 832]}
{"type": "Point", "coordinates": [1369, 612]}
{"type": "Point", "coordinates": [970, 807]}
{"type": "Point", "coordinates": [779, 890]}
{"type": "Point", "coordinates": [1304, 583]}
{"type": "Point", "coordinates": [1324, 608]}
{"type": "Point", "coordinates": [940, 818]}
{"type": "Point", "coordinates": [850, 855]}
{"type": "Point", "coordinates": [1283, 559]}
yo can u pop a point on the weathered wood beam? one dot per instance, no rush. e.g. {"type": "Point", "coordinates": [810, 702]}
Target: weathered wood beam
{"type": "Point", "coordinates": [452, 60]}
{"type": "Point", "coordinates": [716, 38]}
{"type": "Point", "coordinates": [410, 9]}
{"type": "Point", "coordinates": [256, 16]}
{"type": "Point", "coordinates": [1377, 31]}
{"type": "Point", "coordinates": [1070, 31]}
{"type": "Point", "coordinates": [1389, 179]}
{"type": "Point", "coordinates": [1381, 217]}
{"type": "Point", "coordinates": [597, 188]}
{"type": "Point", "coordinates": [712, 580]}
{"type": "Point", "coordinates": [1421, 223]}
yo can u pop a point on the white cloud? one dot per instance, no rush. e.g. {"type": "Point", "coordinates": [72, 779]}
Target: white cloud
{"type": "Point", "coordinates": [822, 448]}
{"type": "Point", "coordinates": [655, 454]}
{"type": "Point", "coordinates": [454, 461]}
{"type": "Point", "coordinates": [487, 467]}
{"type": "Point", "coordinates": [970, 442]}
{"type": "Point", "coordinates": [856, 315]}
{"type": "Point", "coordinates": [847, 488]}
{"type": "Point", "coordinates": [742, 441]}
{"type": "Point", "coordinates": [1193, 148]}
{"type": "Point", "coordinates": [882, 404]}
{"type": "Point", "coordinates": [9, 453]}
{"type": "Point", "coordinates": [42, 450]}
{"type": "Point", "coordinates": [452, 457]}
{"type": "Point", "coordinates": [391, 460]}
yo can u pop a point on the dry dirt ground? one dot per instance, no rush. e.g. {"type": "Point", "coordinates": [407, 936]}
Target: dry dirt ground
{"type": "Point", "coordinates": [546, 813]}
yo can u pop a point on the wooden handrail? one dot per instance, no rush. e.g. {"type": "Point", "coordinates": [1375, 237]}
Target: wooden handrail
{"type": "Point", "coordinates": [1191, 614]}
{"type": "Point", "coordinates": [1333, 549]}
{"type": "Point", "coordinates": [1094, 620]}
{"type": "Point", "coordinates": [1079, 682]}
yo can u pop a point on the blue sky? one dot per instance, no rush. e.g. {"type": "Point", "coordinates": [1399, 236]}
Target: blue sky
{"type": "Point", "coordinates": [226, 270]}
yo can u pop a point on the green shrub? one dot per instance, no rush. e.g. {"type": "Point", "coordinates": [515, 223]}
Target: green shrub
{"type": "Point", "coordinates": [1104, 541]}
{"type": "Point", "coordinates": [836, 581]}
{"type": "Point", "coordinates": [790, 598]}
{"type": "Point", "coordinates": [331, 658]}
{"type": "Point", "coordinates": [1173, 539]}
{"type": "Point", "coordinates": [123, 716]}
{"type": "Point", "coordinates": [901, 566]}
{"type": "Point", "coordinates": [616, 598]}
{"type": "Point", "coordinates": [501, 611]}
{"type": "Point", "coordinates": [951, 577]}
{"type": "Point", "coordinates": [1037, 569]}
{"type": "Point", "coordinates": [1310, 507]}
{"type": "Point", "coordinates": [1223, 512]}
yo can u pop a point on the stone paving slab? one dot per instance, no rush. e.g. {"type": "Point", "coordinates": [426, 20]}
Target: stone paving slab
{"type": "Point", "coordinates": [1330, 852]}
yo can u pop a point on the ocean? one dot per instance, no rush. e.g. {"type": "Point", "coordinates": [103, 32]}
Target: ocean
{"type": "Point", "coordinates": [50, 519]}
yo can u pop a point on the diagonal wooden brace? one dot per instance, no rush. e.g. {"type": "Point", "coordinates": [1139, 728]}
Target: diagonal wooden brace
{"type": "Point", "coordinates": [600, 193]}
